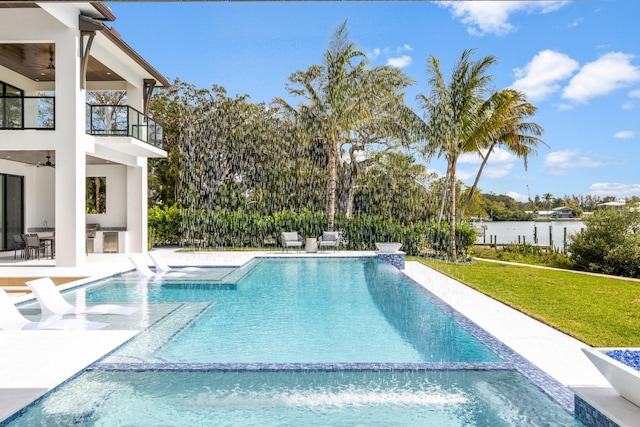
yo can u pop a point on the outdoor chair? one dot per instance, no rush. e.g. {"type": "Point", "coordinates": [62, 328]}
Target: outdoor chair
{"type": "Point", "coordinates": [144, 271]}
{"type": "Point", "coordinates": [12, 320]}
{"type": "Point", "coordinates": [290, 239]}
{"type": "Point", "coordinates": [141, 267]}
{"type": "Point", "coordinates": [52, 302]}
{"type": "Point", "coordinates": [162, 267]}
{"type": "Point", "coordinates": [329, 239]}
{"type": "Point", "coordinates": [34, 245]}
{"type": "Point", "coordinates": [18, 245]}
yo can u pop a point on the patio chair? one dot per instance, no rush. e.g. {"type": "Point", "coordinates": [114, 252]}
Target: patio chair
{"type": "Point", "coordinates": [162, 267]}
{"type": "Point", "coordinates": [52, 302]}
{"type": "Point", "coordinates": [141, 267]}
{"type": "Point", "coordinates": [12, 320]}
{"type": "Point", "coordinates": [18, 245]}
{"type": "Point", "coordinates": [34, 245]}
{"type": "Point", "coordinates": [290, 239]}
{"type": "Point", "coordinates": [329, 239]}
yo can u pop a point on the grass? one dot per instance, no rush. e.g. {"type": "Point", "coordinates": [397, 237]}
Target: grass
{"type": "Point", "coordinates": [600, 311]}
{"type": "Point", "coordinates": [524, 254]}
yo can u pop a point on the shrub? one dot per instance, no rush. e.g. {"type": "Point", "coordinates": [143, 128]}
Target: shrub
{"type": "Point", "coordinates": [164, 225]}
{"type": "Point", "coordinates": [236, 228]}
{"type": "Point", "coordinates": [609, 244]}
{"type": "Point", "coordinates": [525, 254]}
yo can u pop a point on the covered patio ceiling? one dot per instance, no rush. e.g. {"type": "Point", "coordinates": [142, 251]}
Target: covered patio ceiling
{"type": "Point", "coordinates": [39, 158]}
{"type": "Point", "coordinates": [36, 61]}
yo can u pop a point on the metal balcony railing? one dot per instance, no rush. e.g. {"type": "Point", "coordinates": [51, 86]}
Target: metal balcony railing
{"type": "Point", "coordinates": [38, 112]}
{"type": "Point", "coordinates": [28, 112]}
{"type": "Point", "coordinates": [122, 120]}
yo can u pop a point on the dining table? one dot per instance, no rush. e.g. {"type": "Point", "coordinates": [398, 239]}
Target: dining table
{"type": "Point", "coordinates": [51, 239]}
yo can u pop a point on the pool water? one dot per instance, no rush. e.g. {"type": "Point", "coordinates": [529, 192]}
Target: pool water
{"type": "Point", "coordinates": [446, 399]}
{"type": "Point", "coordinates": [305, 341]}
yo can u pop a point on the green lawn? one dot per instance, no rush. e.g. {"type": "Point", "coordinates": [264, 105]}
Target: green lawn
{"type": "Point", "coordinates": [600, 311]}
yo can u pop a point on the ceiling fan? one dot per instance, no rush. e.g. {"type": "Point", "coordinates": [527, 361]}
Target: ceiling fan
{"type": "Point", "coordinates": [50, 68]}
{"type": "Point", "coordinates": [47, 163]}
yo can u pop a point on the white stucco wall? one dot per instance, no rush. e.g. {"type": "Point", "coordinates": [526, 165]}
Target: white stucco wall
{"type": "Point", "coordinates": [116, 215]}
{"type": "Point", "coordinates": [45, 201]}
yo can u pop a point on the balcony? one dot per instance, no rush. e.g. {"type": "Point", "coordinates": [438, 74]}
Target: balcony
{"type": "Point", "coordinates": [27, 112]}
{"type": "Point", "coordinates": [122, 120]}
{"type": "Point", "coordinates": [38, 112]}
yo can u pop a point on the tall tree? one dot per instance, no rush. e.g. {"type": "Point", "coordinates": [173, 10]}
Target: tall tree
{"type": "Point", "coordinates": [345, 98]}
{"type": "Point", "coordinates": [451, 116]}
{"type": "Point", "coordinates": [502, 123]}
{"type": "Point", "coordinates": [395, 187]}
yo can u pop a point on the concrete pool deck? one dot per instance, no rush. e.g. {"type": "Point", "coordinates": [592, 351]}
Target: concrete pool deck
{"type": "Point", "coordinates": [25, 375]}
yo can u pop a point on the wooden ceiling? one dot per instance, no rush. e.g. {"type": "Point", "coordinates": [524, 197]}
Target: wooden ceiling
{"type": "Point", "coordinates": [33, 61]}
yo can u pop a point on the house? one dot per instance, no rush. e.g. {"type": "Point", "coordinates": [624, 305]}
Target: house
{"type": "Point", "coordinates": [618, 205]}
{"type": "Point", "coordinates": [54, 146]}
{"type": "Point", "coordinates": [556, 213]}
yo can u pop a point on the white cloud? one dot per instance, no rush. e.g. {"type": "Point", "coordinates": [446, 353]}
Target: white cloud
{"type": "Point", "coordinates": [614, 189]}
{"type": "Point", "coordinates": [500, 164]}
{"type": "Point", "coordinates": [539, 78]}
{"type": "Point", "coordinates": [609, 72]}
{"type": "Point", "coordinates": [634, 93]}
{"type": "Point", "coordinates": [399, 62]}
{"type": "Point", "coordinates": [575, 23]}
{"type": "Point", "coordinates": [625, 134]}
{"type": "Point", "coordinates": [499, 171]}
{"type": "Point", "coordinates": [373, 54]}
{"type": "Point", "coordinates": [522, 198]}
{"type": "Point", "coordinates": [404, 48]}
{"type": "Point", "coordinates": [466, 174]}
{"type": "Point", "coordinates": [470, 158]}
{"type": "Point", "coordinates": [559, 162]}
{"type": "Point", "coordinates": [491, 17]}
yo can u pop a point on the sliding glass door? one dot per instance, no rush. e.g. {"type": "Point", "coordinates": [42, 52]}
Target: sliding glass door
{"type": "Point", "coordinates": [11, 209]}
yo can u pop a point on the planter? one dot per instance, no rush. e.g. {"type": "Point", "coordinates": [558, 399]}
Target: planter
{"type": "Point", "coordinates": [624, 379]}
{"type": "Point", "coordinates": [388, 247]}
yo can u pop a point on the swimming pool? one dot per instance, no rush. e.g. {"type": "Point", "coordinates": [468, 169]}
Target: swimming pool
{"type": "Point", "coordinates": [295, 342]}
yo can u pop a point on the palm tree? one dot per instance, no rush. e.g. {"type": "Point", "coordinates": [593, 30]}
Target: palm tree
{"type": "Point", "coordinates": [451, 116]}
{"type": "Point", "coordinates": [502, 124]}
{"type": "Point", "coordinates": [348, 103]}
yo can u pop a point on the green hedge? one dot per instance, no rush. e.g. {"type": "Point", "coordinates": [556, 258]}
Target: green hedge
{"type": "Point", "coordinates": [220, 228]}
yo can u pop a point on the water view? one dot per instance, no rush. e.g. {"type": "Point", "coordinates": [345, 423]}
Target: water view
{"type": "Point", "coordinates": [544, 232]}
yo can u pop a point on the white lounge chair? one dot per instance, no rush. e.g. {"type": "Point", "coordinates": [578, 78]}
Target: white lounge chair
{"type": "Point", "coordinates": [52, 302]}
{"type": "Point", "coordinates": [12, 320]}
{"type": "Point", "coordinates": [142, 267]}
{"type": "Point", "coordinates": [161, 266]}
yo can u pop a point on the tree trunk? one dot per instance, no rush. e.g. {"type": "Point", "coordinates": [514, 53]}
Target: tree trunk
{"type": "Point", "coordinates": [351, 183]}
{"type": "Point", "coordinates": [331, 197]}
{"type": "Point", "coordinates": [452, 210]}
{"type": "Point", "coordinates": [475, 183]}
{"type": "Point", "coordinates": [443, 196]}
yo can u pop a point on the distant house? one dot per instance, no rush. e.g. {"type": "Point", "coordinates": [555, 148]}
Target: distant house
{"type": "Point", "coordinates": [563, 212]}
{"type": "Point", "coordinates": [54, 147]}
{"type": "Point", "coordinates": [617, 205]}
{"type": "Point", "coordinates": [556, 213]}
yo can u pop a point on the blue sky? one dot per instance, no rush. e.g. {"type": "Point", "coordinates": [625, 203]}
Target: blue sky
{"type": "Point", "coordinates": [578, 62]}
